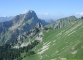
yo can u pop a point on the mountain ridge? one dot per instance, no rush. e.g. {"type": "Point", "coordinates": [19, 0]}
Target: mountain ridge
{"type": "Point", "coordinates": [61, 22]}
{"type": "Point", "coordinates": [18, 25]}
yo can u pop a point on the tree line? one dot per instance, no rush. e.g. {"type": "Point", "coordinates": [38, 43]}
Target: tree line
{"type": "Point", "coordinates": [9, 53]}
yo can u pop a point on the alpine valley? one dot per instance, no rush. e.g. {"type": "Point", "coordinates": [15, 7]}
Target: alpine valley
{"type": "Point", "coordinates": [27, 37]}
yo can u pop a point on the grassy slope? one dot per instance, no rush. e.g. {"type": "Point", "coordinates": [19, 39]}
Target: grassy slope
{"type": "Point", "coordinates": [66, 42]}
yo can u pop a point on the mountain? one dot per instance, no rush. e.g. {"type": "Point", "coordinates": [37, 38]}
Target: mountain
{"type": "Point", "coordinates": [18, 26]}
{"type": "Point", "coordinates": [61, 22]}
{"type": "Point", "coordinates": [50, 20]}
{"type": "Point", "coordinates": [3, 19]}
{"type": "Point", "coordinates": [65, 43]}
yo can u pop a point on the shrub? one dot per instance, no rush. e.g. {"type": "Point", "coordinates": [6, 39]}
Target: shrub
{"type": "Point", "coordinates": [31, 53]}
{"type": "Point", "coordinates": [82, 17]}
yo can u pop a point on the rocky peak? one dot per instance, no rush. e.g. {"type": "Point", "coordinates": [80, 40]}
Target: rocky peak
{"type": "Point", "coordinates": [30, 14]}
{"type": "Point", "coordinates": [20, 24]}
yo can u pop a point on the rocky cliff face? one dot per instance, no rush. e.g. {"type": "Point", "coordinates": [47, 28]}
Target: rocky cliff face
{"type": "Point", "coordinates": [17, 27]}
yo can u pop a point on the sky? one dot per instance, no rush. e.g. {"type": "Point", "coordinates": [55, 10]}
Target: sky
{"type": "Point", "coordinates": [45, 9]}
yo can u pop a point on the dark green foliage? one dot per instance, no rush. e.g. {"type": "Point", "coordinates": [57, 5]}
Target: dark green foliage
{"type": "Point", "coordinates": [20, 58]}
{"type": "Point", "coordinates": [45, 28]}
{"type": "Point", "coordinates": [48, 28]}
{"type": "Point", "coordinates": [8, 53]}
{"type": "Point", "coordinates": [31, 53]}
{"type": "Point", "coordinates": [82, 17]}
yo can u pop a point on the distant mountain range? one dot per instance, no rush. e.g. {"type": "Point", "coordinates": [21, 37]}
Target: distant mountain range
{"type": "Point", "coordinates": [50, 20]}
{"type": "Point", "coordinates": [3, 19]}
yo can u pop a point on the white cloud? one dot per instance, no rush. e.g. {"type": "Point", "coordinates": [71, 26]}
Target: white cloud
{"type": "Point", "coordinates": [46, 14]}
{"type": "Point", "coordinates": [79, 13]}
{"type": "Point", "coordinates": [25, 11]}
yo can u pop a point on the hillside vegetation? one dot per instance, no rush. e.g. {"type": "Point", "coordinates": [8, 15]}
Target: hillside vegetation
{"type": "Point", "coordinates": [64, 43]}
